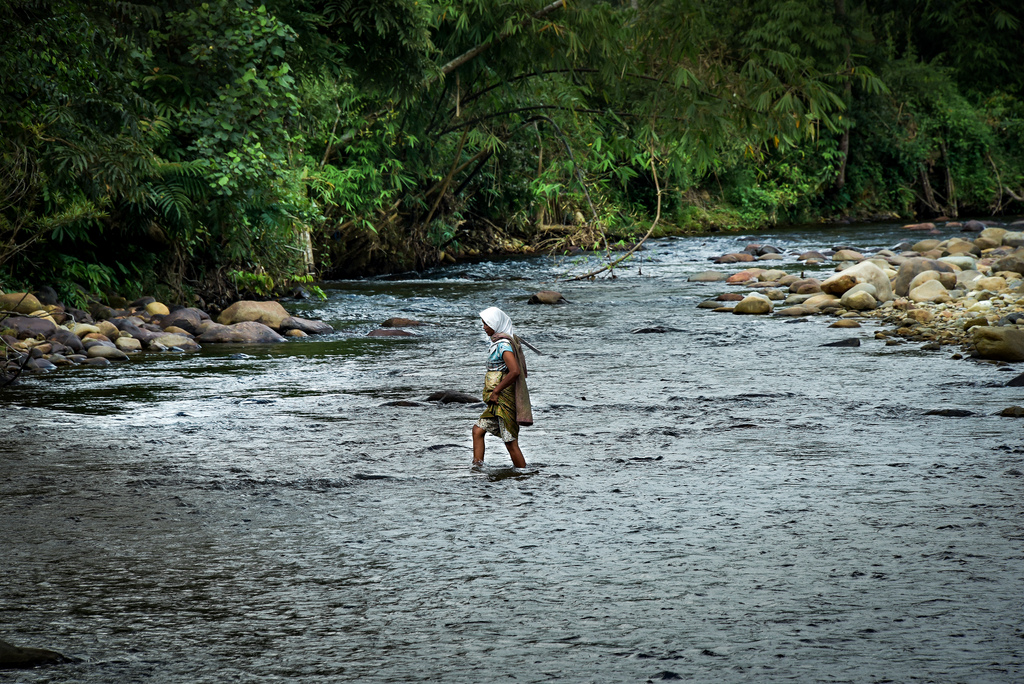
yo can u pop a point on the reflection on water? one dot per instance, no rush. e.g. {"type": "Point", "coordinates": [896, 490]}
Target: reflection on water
{"type": "Point", "coordinates": [728, 501]}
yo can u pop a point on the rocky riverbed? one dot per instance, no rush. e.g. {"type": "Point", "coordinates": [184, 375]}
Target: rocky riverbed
{"type": "Point", "coordinates": [959, 292]}
{"type": "Point", "coordinates": [40, 334]}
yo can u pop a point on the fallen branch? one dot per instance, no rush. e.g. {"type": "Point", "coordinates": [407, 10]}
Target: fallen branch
{"type": "Point", "coordinates": [657, 217]}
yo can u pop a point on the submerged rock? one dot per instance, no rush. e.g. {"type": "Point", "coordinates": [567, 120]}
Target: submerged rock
{"type": "Point", "coordinates": [547, 297]}
{"type": "Point", "coordinates": [305, 325]}
{"type": "Point", "coordinates": [950, 413]}
{"type": "Point", "coordinates": [401, 323]}
{"type": "Point", "coordinates": [12, 657]}
{"type": "Point", "coordinates": [707, 277]}
{"type": "Point", "coordinates": [450, 397]}
{"type": "Point", "coordinates": [246, 332]}
{"type": "Point", "coordinates": [390, 332]}
{"type": "Point", "coordinates": [848, 342]}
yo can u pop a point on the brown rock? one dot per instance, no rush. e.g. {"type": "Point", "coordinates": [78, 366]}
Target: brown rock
{"type": "Point", "coordinates": [741, 277]}
{"type": "Point", "coordinates": [845, 323]}
{"type": "Point", "coordinates": [1002, 344]}
{"type": "Point", "coordinates": [838, 284]}
{"type": "Point", "coordinates": [547, 297]}
{"type": "Point", "coordinates": [847, 255]}
{"type": "Point", "coordinates": [920, 315]}
{"type": "Point", "coordinates": [729, 297]}
{"type": "Point", "coordinates": [400, 323]}
{"type": "Point", "coordinates": [1013, 262]}
{"type": "Point", "coordinates": [270, 314]}
{"type": "Point", "coordinates": [20, 302]}
{"type": "Point", "coordinates": [912, 267]}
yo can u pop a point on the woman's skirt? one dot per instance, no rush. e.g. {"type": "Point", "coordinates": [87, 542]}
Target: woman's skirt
{"type": "Point", "coordinates": [499, 418]}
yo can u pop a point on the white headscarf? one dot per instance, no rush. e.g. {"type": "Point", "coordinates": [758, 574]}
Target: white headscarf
{"type": "Point", "coordinates": [498, 320]}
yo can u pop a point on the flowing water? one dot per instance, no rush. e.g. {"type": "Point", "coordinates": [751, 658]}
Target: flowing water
{"type": "Point", "coordinates": [727, 501]}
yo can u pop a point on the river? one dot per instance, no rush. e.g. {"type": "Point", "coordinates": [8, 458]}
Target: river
{"type": "Point", "coordinates": [727, 501]}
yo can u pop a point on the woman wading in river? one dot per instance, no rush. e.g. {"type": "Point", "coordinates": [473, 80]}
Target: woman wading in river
{"type": "Point", "coordinates": [508, 400]}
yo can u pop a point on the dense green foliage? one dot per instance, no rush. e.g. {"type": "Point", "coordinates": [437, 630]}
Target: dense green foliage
{"type": "Point", "coordinates": [205, 149]}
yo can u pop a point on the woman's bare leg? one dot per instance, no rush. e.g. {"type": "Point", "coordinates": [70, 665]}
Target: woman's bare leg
{"type": "Point", "coordinates": [517, 456]}
{"type": "Point", "coordinates": [478, 445]}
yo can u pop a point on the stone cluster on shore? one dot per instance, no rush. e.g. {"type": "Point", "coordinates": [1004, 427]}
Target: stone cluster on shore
{"type": "Point", "coordinates": [958, 291]}
{"type": "Point", "coordinates": [52, 335]}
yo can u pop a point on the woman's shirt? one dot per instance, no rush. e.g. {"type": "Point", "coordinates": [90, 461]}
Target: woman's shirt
{"type": "Point", "coordinates": [495, 362]}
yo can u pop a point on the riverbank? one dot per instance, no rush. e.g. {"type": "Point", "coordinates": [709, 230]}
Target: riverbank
{"type": "Point", "coordinates": [966, 292]}
{"type": "Point", "coordinates": [41, 336]}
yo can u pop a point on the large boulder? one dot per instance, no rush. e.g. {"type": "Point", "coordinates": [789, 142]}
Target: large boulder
{"type": "Point", "coordinates": [246, 332]}
{"type": "Point", "coordinates": [911, 267]}
{"type": "Point", "coordinates": [305, 325]}
{"type": "Point", "coordinates": [20, 302]}
{"type": "Point", "coordinates": [754, 304]}
{"type": "Point", "coordinates": [864, 272]}
{"type": "Point", "coordinates": [188, 319]}
{"type": "Point", "coordinates": [29, 326]}
{"type": "Point", "coordinates": [269, 313]}
{"type": "Point", "coordinates": [1003, 344]}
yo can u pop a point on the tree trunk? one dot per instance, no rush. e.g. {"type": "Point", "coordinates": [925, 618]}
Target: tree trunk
{"type": "Point", "coordinates": [844, 141]}
{"type": "Point", "coordinates": [929, 194]}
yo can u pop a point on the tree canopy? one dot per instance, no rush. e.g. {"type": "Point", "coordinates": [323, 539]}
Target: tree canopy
{"type": "Point", "coordinates": [211, 148]}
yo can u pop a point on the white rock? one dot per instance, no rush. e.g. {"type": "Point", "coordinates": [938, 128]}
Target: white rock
{"type": "Point", "coordinates": [981, 307]}
{"type": "Point", "coordinates": [964, 262]}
